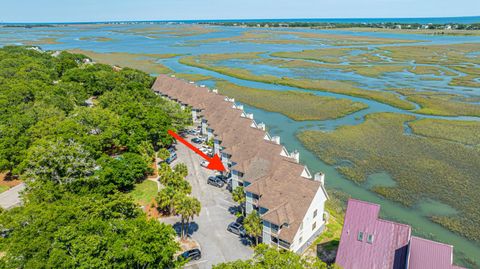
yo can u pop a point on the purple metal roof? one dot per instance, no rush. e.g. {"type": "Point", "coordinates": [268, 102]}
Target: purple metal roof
{"type": "Point", "coordinates": [387, 247]}
{"type": "Point", "coordinates": [386, 244]}
{"type": "Point", "coordinates": [426, 254]}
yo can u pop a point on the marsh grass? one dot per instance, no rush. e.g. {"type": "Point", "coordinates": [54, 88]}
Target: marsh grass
{"type": "Point", "coordinates": [145, 62]}
{"type": "Point", "coordinates": [465, 132]}
{"type": "Point", "coordinates": [341, 87]}
{"type": "Point", "coordinates": [296, 105]}
{"type": "Point", "coordinates": [422, 166]}
{"type": "Point", "coordinates": [158, 31]}
{"type": "Point", "coordinates": [193, 77]}
{"type": "Point", "coordinates": [42, 41]}
{"type": "Point", "coordinates": [438, 103]}
{"type": "Point", "coordinates": [96, 38]}
{"type": "Point", "coordinates": [472, 72]}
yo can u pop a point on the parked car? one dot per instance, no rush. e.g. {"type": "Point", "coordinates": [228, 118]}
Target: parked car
{"type": "Point", "coordinates": [204, 150]}
{"type": "Point", "coordinates": [223, 178]}
{"type": "Point", "coordinates": [240, 219]}
{"type": "Point", "coordinates": [173, 157]}
{"type": "Point", "coordinates": [192, 254]}
{"type": "Point", "coordinates": [196, 140]}
{"type": "Point", "coordinates": [215, 181]}
{"type": "Point", "coordinates": [236, 228]}
{"type": "Point", "coordinates": [204, 163]}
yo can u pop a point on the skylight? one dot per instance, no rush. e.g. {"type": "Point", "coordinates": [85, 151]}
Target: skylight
{"type": "Point", "coordinates": [360, 236]}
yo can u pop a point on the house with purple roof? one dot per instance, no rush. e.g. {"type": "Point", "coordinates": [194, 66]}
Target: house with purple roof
{"type": "Point", "coordinates": [370, 242]}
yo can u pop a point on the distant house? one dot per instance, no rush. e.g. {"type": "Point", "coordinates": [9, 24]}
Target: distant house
{"type": "Point", "coordinates": [370, 242]}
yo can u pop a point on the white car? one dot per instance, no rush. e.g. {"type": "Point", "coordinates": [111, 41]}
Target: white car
{"type": "Point", "coordinates": [204, 164]}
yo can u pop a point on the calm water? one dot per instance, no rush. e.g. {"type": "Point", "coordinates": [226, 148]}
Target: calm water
{"type": "Point", "coordinates": [127, 41]}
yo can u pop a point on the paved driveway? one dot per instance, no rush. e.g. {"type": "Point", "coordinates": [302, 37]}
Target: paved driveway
{"type": "Point", "coordinates": [11, 197]}
{"type": "Point", "coordinates": [209, 229]}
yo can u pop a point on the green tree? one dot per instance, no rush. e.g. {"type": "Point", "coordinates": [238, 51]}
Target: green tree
{"type": "Point", "coordinates": [175, 180]}
{"type": "Point", "coordinates": [186, 207]}
{"type": "Point", "coordinates": [238, 195]}
{"type": "Point", "coordinates": [268, 257]}
{"type": "Point", "coordinates": [166, 199]}
{"type": "Point", "coordinates": [61, 162]}
{"type": "Point", "coordinates": [253, 225]}
{"type": "Point", "coordinates": [65, 151]}
{"type": "Point", "coordinates": [85, 232]}
{"type": "Point", "coordinates": [123, 171]}
{"type": "Point", "coordinates": [163, 154]}
{"type": "Point", "coordinates": [181, 169]}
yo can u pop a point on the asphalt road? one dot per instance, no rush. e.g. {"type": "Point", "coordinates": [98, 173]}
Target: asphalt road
{"type": "Point", "coordinates": [210, 228]}
{"type": "Point", "coordinates": [11, 197]}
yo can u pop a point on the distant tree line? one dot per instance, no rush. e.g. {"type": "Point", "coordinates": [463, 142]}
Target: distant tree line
{"type": "Point", "coordinates": [327, 25]}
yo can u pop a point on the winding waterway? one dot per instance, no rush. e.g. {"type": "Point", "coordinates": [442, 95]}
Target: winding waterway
{"type": "Point", "coordinates": [278, 124]}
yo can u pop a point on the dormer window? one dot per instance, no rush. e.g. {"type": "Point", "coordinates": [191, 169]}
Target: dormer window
{"type": "Point", "coordinates": [360, 236]}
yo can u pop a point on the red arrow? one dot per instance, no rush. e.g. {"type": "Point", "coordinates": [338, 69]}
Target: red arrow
{"type": "Point", "coordinates": [213, 163]}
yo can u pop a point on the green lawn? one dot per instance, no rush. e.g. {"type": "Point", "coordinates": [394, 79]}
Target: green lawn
{"type": "Point", "coordinates": [144, 192]}
{"type": "Point", "coordinates": [3, 188]}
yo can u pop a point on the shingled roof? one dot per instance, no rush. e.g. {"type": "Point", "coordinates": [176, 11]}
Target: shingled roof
{"type": "Point", "coordinates": [276, 179]}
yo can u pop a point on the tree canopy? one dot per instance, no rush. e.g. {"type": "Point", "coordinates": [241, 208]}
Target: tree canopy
{"type": "Point", "coordinates": [80, 135]}
{"type": "Point", "coordinates": [266, 257]}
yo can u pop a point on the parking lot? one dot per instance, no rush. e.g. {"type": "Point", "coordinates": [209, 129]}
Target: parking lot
{"type": "Point", "coordinates": [209, 229]}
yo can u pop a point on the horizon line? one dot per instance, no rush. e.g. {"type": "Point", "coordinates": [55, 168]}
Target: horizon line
{"type": "Point", "coordinates": [238, 19]}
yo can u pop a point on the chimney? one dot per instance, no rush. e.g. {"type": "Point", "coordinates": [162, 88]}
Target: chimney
{"type": "Point", "coordinates": [320, 177]}
{"type": "Point", "coordinates": [295, 155]}
{"type": "Point", "coordinates": [261, 126]}
{"type": "Point", "coordinates": [276, 139]}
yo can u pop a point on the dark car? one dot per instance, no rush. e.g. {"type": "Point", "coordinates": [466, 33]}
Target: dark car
{"type": "Point", "coordinates": [240, 219]}
{"type": "Point", "coordinates": [196, 140]}
{"type": "Point", "coordinates": [223, 178]}
{"type": "Point", "coordinates": [215, 181]}
{"type": "Point", "coordinates": [192, 254]}
{"type": "Point", "coordinates": [236, 228]}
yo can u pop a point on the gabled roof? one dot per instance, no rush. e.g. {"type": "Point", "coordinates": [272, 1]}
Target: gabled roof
{"type": "Point", "coordinates": [391, 245]}
{"type": "Point", "coordinates": [388, 248]}
{"type": "Point", "coordinates": [286, 195]}
{"type": "Point", "coordinates": [427, 254]}
{"type": "Point", "coordinates": [275, 178]}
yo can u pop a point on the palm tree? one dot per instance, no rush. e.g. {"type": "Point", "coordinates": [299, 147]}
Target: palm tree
{"type": "Point", "coordinates": [165, 199]}
{"type": "Point", "coordinates": [186, 207]}
{"type": "Point", "coordinates": [253, 225]}
{"type": "Point", "coordinates": [238, 195]}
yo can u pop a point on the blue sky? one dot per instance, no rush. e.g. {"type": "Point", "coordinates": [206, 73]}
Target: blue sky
{"type": "Point", "coordinates": [103, 10]}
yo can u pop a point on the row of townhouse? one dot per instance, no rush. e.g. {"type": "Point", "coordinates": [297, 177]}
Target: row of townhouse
{"type": "Point", "coordinates": [289, 199]}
